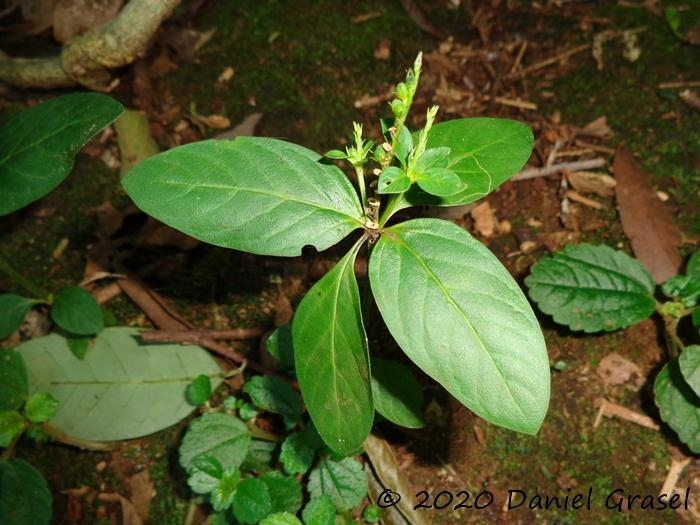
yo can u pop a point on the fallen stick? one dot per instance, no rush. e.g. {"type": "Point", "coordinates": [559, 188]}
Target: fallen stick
{"type": "Point", "coordinates": [673, 475]}
{"type": "Point", "coordinates": [552, 60]}
{"type": "Point", "coordinates": [577, 197]}
{"type": "Point", "coordinates": [196, 336]}
{"type": "Point", "coordinates": [679, 85]}
{"type": "Point", "coordinates": [515, 103]}
{"type": "Point", "coordinates": [609, 409]}
{"type": "Point", "coordinates": [578, 165]}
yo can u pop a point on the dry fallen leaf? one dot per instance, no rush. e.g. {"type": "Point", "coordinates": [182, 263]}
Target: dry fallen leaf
{"type": "Point", "coordinates": [141, 492]}
{"type": "Point", "coordinates": [616, 370]}
{"type": "Point", "coordinates": [591, 182]}
{"type": "Point", "coordinates": [597, 128]}
{"type": "Point", "coordinates": [645, 219]}
{"type": "Point", "coordinates": [485, 221]}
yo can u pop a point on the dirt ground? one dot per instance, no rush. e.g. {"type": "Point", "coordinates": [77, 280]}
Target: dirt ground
{"type": "Point", "coordinates": [587, 76]}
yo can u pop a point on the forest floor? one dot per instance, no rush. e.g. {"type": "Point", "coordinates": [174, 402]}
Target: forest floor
{"type": "Point", "coordinates": [588, 77]}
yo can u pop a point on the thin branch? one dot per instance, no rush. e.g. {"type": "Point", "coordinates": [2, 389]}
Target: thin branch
{"type": "Point", "coordinates": [578, 165]}
{"type": "Point", "coordinates": [196, 336]}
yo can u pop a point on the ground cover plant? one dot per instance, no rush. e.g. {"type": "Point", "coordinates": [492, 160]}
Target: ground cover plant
{"type": "Point", "coordinates": [595, 289]}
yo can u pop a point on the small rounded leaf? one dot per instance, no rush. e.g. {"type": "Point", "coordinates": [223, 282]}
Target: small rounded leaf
{"type": "Point", "coordinates": [199, 391]}
{"type": "Point", "coordinates": [77, 312]}
{"type": "Point", "coordinates": [252, 502]}
{"type": "Point", "coordinates": [13, 310]}
{"type": "Point", "coordinates": [11, 426]}
{"type": "Point", "coordinates": [24, 495]}
{"type": "Point", "coordinates": [14, 382]}
{"type": "Point", "coordinates": [393, 180]}
{"type": "Point", "coordinates": [440, 182]}
{"type": "Point", "coordinates": [41, 407]}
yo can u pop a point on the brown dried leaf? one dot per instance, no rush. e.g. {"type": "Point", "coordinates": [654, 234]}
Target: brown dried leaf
{"type": "Point", "coordinates": [592, 182]}
{"type": "Point", "coordinates": [645, 220]}
{"type": "Point", "coordinates": [616, 370]}
{"type": "Point", "coordinates": [597, 128]}
{"type": "Point", "coordinates": [141, 492]}
{"type": "Point", "coordinates": [485, 221]}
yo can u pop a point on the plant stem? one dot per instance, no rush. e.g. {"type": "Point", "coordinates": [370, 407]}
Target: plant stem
{"type": "Point", "coordinates": [21, 281]}
{"type": "Point", "coordinates": [360, 172]}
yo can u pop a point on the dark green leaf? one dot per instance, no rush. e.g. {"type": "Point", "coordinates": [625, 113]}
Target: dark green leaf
{"type": "Point", "coordinates": [689, 363]}
{"type": "Point", "coordinates": [13, 380]}
{"type": "Point", "coordinates": [218, 435]}
{"type": "Point", "coordinates": [592, 288]}
{"type": "Point", "coordinates": [24, 495]}
{"type": "Point", "coordinates": [678, 405]}
{"type": "Point", "coordinates": [123, 389]}
{"type": "Point", "coordinates": [13, 310]}
{"type": "Point", "coordinates": [459, 315]}
{"type": "Point", "coordinates": [279, 344]}
{"type": "Point", "coordinates": [79, 346]}
{"type": "Point", "coordinates": [251, 503]}
{"type": "Point", "coordinates": [297, 454]}
{"type": "Point", "coordinates": [261, 456]}
{"type": "Point", "coordinates": [38, 146]}
{"type": "Point", "coordinates": [254, 194]}
{"type": "Point", "coordinates": [41, 407]}
{"type": "Point", "coordinates": [223, 494]}
{"type": "Point", "coordinates": [331, 358]}
{"type": "Point", "coordinates": [209, 465]}
{"type": "Point", "coordinates": [404, 145]}
{"type": "Point", "coordinates": [396, 394]}
{"type": "Point", "coordinates": [285, 492]}
{"type": "Point", "coordinates": [199, 391]}
{"type": "Point", "coordinates": [11, 426]}
{"type": "Point", "coordinates": [275, 395]}
{"type": "Point", "coordinates": [684, 288]}
{"type": "Point", "coordinates": [693, 267]}
{"type": "Point", "coordinates": [393, 180]}
{"type": "Point", "coordinates": [344, 481]}
{"type": "Point", "coordinates": [484, 153]}
{"type": "Point", "coordinates": [432, 158]}
{"type": "Point", "coordinates": [205, 474]}
{"type": "Point", "coordinates": [695, 317]}
{"type": "Point", "coordinates": [319, 511]}
{"type": "Point", "coordinates": [440, 182]}
{"type": "Point", "coordinates": [77, 312]}
{"type": "Point", "coordinates": [247, 411]}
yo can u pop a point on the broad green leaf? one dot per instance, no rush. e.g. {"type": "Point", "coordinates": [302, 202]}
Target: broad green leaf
{"type": "Point", "coordinates": [261, 456]}
{"type": "Point", "coordinates": [11, 426]}
{"type": "Point", "coordinates": [275, 395]}
{"type": "Point", "coordinates": [689, 363]}
{"type": "Point", "coordinates": [396, 394]}
{"type": "Point", "coordinates": [38, 145]}
{"type": "Point", "coordinates": [678, 405]}
{"type": "Point", "coordinates": [220, 436]}
{"type": "Point", "coordinates": [123, 389]}
{"type": "Point", "coordinates": [24, 495]}
{"type": "Point", "coordinates": [393, 180]}
{"type": "Point", "coordinates": [296, 454]}
{"type": "Point", "coordinates": [205, 474]}
{"type": "Point", "coordinates": [331, 359]}
{"type": "Point", "coordinates": [279, 344]}
{"type": "Point", "coordinates": [484, 153]}
{"type": "Point", "coordinates": [254, 194]}
{"type": "Point", "coordinates": [76, 311]}
{"type": "Point", "coordinates": [319, 511]}
{"type": "Point", "coordinates": [199, 391]}
{"type": "Point", "coordinates": [459, 315]}
{"type": "Point", "coordinates": [222, 495]}
{"type": "Point", "coordinates": [441, 182]}
{"type": "Point", "coordinates": [592, 288]}
{"type": "Point", "coordinates": [343, 481]}
{"type": "Point", "coordinates": [285, 492]}
{"type": "Point", "coordinates": [79, 345]}
{"type": "Point", "coordinates": [40, 407]}
{"type": "Point", "coordinates": [251, 503]}
{"type": "Point", "coordinates": [14, 381]}
{"type": "Point", "coordinates": [281, 518]}
{"type": "Point", "coordinates": [13, 310]}
{"type": "Point", "coordinates": [684, 288]}
{"type": "Point", "coordinates": [432, 158]}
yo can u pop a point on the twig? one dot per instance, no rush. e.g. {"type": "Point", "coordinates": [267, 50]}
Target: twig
{"type": "Point", "coordinates": [577, 197]}
{"type": "Point", "coordinates": [690, 98]}
{"type": "Point", "coordinates": [673, 475]}
{"type": "Point", "coordinates": [609, 409]}
{"type": "Point", "coordinates": [196, 336]}
{"type": "Point", "coordinates": [578, 165]}
{"type": "Point", "coordinates": [681, 84]}
{"type": "Point", "coordinates": [515, 103]}
{"type": "Point", "coordinates": [595, 147]}
{"type": "Point", "coordinates": [518, 58]}
{"type": "Point", "coordinates": [551, 60]}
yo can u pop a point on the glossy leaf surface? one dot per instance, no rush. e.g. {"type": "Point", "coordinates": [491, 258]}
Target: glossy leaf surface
{"type": "Point", "coordinates": [332, 366]}
{"type": "Point", "coordinates": [459, 315]}
{"type": "Point", "coordinates": [396, 394]}
{"type": "Point", "coordinates": [592, 288]}
{"type": "Point", "coordinates": [102, 398]}
{"type": "Point", "coordinates": [38, 145]}
{"type": "Point", "coordinates": [484, 153]}
{"type": "Point", "coordinates": [13, 310]}
{"type": "Point", "coordinates": [679, 405]}
{"type": "Point", "coordinates": [254, 194]}
{"type": "Point", "coordinates": [24, 494]}
{"type": "Point", "coordinates": [76, 311]}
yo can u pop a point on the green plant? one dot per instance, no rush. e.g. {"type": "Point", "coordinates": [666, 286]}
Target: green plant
{"type": "Point", "coordinates": [596, 289]}
{"type": "Point", "coordinates": [447, 301]}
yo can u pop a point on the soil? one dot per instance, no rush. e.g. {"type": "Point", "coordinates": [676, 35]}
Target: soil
{"type": "Point", "coordinates": [311, 68]}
